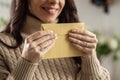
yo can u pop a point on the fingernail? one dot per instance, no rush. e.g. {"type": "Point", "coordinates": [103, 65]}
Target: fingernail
{"type": "Point", "coordinates": [55, 37]}
{"type": "Point", "coordinates": [51, 31]}
{"type": "Point", "coordinates": [55, 34]}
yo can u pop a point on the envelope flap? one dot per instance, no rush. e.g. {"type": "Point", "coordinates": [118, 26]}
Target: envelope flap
{"type": "Point", "coordinates": [63, 28]}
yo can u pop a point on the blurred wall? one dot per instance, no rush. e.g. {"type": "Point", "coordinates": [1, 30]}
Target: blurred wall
{"type": "Point", "coordinates": [95, 18]}
{"type": "Point", "coordinates": [4, 12]}
{"type": "Point", "coordinates": [4, 8]}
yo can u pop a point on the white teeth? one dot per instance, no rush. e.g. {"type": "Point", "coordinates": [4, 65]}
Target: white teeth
{"type": "Point", "coordinates": [50, 11]}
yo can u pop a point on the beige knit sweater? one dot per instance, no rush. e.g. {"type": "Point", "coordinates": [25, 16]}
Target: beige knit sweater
{"type": "Point", "coordinates": [13, 67]}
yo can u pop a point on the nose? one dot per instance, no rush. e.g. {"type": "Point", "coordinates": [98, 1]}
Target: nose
{"type": "Point", "coordinates": [53, 1]}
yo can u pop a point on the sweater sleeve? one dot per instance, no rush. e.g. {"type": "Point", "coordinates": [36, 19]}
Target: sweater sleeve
{"type": "Point", "coordinates": [92, 70]}
{"type": "Point", "coordinates": [24, 70]}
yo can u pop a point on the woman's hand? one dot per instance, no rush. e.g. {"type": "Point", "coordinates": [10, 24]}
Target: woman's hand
{"type": "Point", "coordinates": [37, 44]}
{"type": "Point", "coordinates": [84, 41]}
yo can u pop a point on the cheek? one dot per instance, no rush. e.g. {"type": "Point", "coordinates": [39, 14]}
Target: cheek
{"type": "Point", "coordinates": [62, 3]}
{"type": "Point", "coordinates": [33, 4]}
{"type": "Point", "coordinates": [33, 9]}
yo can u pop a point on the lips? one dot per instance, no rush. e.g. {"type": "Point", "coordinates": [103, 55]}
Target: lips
{"type": "Point", "coordinates": [50, 10]}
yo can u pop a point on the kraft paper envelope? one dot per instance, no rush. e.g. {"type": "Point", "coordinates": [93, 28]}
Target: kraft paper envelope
{"type": "Point", "coordinates": [62, 47]}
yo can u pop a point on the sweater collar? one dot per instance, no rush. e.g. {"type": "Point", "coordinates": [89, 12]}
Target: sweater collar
{"type": "Point", "coordinates": [32, 25]}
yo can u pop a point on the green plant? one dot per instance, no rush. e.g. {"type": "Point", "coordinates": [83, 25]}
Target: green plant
{"type": "Point", "coordinates": [2, 23]}
{"type": "Point", "coordinates": [107, 45]}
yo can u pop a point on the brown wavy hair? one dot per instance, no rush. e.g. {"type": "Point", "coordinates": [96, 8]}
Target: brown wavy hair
{"type": "Point", "coordinates": [18, 13]}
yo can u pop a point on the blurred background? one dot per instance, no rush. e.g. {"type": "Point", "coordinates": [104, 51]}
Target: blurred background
{"type": "Point", "coordinates": [101, 17]}
{"type": "Point", "coordinates": [107, 26]}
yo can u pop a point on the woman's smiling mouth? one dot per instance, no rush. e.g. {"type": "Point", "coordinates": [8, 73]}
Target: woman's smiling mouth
{"type": "Point", "coordinates": [50, 10]}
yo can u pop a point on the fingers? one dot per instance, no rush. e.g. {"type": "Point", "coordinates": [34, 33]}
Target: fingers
{"type": "Point", "coordinates": [82, 37]}
{"type": "Point", "coordinates": [37, 44]}
{"type": "Point", "coordinates": [47, 48]}
{"type": "Point", "coordinates": [82, 43]}
{"type": "Point", "coordinates": [47, 43]}
{"type": "Point", "coordinates": [38, 34]}
{"type": "Point", "coordinates": [44, 39]}
{"type": "Point", "coordinates": [40, 37]}
{"type": "Point", "coordinates": [83, 40]}
{"type": "Point", "coordinates": [85, 50]}
{"type": "Point", "coordinates": [83, 32]}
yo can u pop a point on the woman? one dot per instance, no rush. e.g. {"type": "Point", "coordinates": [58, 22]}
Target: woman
{"type": "Point", "coordinates": [23, 44]}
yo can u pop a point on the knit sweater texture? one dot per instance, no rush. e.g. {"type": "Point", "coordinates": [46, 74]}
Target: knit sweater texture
{"type": "Point", "coordinates": [14, 67]}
